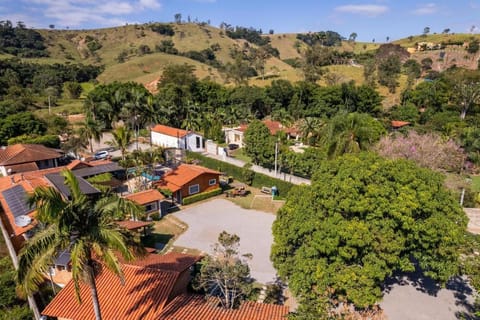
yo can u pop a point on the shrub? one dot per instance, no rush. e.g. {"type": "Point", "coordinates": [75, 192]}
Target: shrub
{"type": "Point", "coordinates": [259, 180]}
{"type": "Point", "coordinates": [202, 196]}
{"type": "Point", "coordinates": [50, 140]}
{"type": "Point", "coordinates": [164, 29]}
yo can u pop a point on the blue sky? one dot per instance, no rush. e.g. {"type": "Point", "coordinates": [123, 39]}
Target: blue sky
{"type": "Point", "coordinates": [369, 19]}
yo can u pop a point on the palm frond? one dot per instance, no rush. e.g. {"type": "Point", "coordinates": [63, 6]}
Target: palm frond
{"type": "Point", "coordinates": [78, 256]}
{"type": "Point", "coordinates": [49, 203]}
{"type": "Point", "coordinates": [36, 256]}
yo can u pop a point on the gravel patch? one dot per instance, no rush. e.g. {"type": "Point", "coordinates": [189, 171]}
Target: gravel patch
{"type": "Point", "coordinates": [207, 220]}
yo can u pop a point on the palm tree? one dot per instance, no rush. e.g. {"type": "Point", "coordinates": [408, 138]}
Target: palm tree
{"type": "Point", "coordinates": [83, 226]}
{"type": "Point", "coordinates": [350, 133]}
{"type": "Point", "coordinates": [121, 139]}
{"type": "Point", "coordinates": [91, 130]}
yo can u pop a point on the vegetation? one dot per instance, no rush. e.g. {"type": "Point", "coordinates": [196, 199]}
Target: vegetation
{"type": "Point", "coordinates": [83, 226]}
{"type": "Point", "coordinates": [226, 275]}
{"type": "Point", "coordinates": [201, 196]}
{"type": "Point", "coordinates": [20, 41]}
{"type": "Point", "coordinates": [362, 218]}
{"type": "Point", "coordinates": [11, 306]}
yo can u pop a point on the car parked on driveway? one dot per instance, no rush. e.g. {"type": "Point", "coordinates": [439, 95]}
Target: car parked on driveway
{"type": "Point", "coordinates": [101, 155]}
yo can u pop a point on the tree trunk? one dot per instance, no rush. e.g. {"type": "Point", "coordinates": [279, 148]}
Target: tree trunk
{"type": "Point", "coordinates": [93, 291]}
{"type": "Point", "coordinates": [91, 145]}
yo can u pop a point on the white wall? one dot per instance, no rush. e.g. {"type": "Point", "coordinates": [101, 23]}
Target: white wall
{"type": "Point", "coordinates": [174, 142]}
{"type": "Point", "coordinates": [162, 140]}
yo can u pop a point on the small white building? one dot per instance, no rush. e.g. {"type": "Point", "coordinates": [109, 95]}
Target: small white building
{"type": "Point", "coordinates": [169, 137]}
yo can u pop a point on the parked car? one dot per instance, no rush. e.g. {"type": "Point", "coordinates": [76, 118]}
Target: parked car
{"type": "Point", "coordinates": [233, 146]}
{"type": "Point", "coordinates": [101, 155]}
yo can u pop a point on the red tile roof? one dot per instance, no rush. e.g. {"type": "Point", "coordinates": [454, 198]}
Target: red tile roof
{"type": "Point", "coordinates": [196, 307]}
{"type": "Point", "coordinates": [22, 167]}
{"type": "Point", "coordinates": [23, 153]}
{"type": "Point", "coordinates": [183, 174]}
{"type": "Point", "coordinates": [273, 126]}
{"type": "Point", "coordinates": [169, 131]}
{"type": "Point", "coordinates": [149, 282]}
{"type": "Point", "coordinates": [172, 261]}
{"type": "Point", "coordinates": [133, 225]}
{"type": "Point", "coordinates": [29, 181]}
{"type": "Point", "coordinates": [399, 124]}
{"type": "Point", "coordinates": [146, 196]}
{"type": "Point", "coordinates": [143, 296]}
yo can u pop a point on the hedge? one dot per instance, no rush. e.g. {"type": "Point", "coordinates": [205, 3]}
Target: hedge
{"type": "Point", "coordinates": [259, 180]}
{"type": "Point", "coordinates": [201, 196]}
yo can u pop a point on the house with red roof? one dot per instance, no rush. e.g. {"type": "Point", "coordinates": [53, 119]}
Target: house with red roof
{"type": "Point", "coordinates": [235, 135]}
{"type": "Point", "coordinates": [27, 157]}
{"type": "Point", "coordinates": [188, 179]}
{"type": "Point", "coordinates": [152, 200]}
{"type": "Point", "coordinates": [169, 137]}
{"type": "Point", "coordinates": [155, 287]}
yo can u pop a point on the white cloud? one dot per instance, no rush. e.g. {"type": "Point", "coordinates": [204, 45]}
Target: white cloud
{"type": "Point", "coordinates": [371, 10]}
{"type": "Point", "coordinates": [429, 8]}
{"type": "Point", "coordinates": [150, 4]}
{"type": "Point", "coordinates": [75, 13]}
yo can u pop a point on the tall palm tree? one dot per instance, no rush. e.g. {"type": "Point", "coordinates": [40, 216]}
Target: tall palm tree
{"type": "Point", "coordinates": [81, 225]}
{"type": "Point", "coordinates": [91, 130]}
{"type": "Point", "coordinates": [351, 133]}
{"type": "Point", "coordinates": [122, 137]}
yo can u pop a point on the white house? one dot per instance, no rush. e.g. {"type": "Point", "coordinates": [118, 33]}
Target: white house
{"type": "Point", "coordinates": [169, 137]}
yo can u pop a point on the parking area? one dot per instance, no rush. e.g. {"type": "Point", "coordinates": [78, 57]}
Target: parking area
{"type": "Point", "coordinates": [207, 220]}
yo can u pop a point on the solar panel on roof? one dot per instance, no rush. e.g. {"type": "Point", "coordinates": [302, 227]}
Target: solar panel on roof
{"type": "Point", "coordinates": [16, 199]}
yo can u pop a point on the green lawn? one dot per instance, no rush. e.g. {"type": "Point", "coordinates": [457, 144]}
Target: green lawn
{"type": "Point", "coordinates": [240, 155]}
{"type": "Point", "coordinates": [476, 183]}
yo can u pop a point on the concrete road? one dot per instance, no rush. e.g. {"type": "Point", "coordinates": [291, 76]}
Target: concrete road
{"type": "Point", "coordinates": [207, 220]}
{"type": "Point", "coordinates": [419, 298]}
{"type": "Point", "coordinates": [107, 136]}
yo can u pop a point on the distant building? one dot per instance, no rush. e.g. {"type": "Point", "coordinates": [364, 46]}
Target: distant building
{"type": "Point", "coordinates": [27, 157]}
{"type": "Point", "coordinates": [169, 137]}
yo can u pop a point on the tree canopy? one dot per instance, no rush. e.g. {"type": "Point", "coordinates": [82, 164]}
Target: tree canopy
{"type": "Point", "coordinates": [362, 218]}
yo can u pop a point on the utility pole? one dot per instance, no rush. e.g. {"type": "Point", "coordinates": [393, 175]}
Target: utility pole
{"type": "Point", "coordinates": [276, 157]}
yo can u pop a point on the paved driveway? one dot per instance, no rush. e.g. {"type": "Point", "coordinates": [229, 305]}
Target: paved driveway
{"type": "Point", "coordinates": [254, 228]}
{"type": "Point", "coordinates": [415, 297]}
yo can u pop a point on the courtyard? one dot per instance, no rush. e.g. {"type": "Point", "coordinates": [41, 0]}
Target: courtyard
{"type": "Point", "coordinates": [207, 220]}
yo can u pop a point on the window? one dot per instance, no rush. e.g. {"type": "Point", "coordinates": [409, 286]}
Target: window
{"type": "Point", "coordinates": [212, 182]}
{"type": "Point", "coordinates": [198, 142]}
{"type": "Point", "coordinates": [194, 189]}
{"type": "Point", "coordinates": [151, 207]}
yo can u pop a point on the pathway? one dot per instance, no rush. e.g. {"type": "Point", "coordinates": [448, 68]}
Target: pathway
{"type": "Point", "coordinates": [282, 176]}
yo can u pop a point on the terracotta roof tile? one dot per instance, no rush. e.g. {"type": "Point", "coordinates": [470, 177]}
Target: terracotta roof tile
{"type": "Point", "coordinates": [172, 261]}
{"type": "Point", "coordinates": [29, 181]}
{"type": "Point", "coordinates": [143, 296]}
{"type": "Point", "coordinates": [133, 225]}
{"type": "Point", "coordinates": [182, 175]}
{"type": "Point", "coordinates": [399, 124]}
{"type": "Point", "coordinates": [169, 131]}
{"type": "Point", "coordinates": [196, 307]}
{"type": "Point", "coordinates": [22, 153]}
{"type": "Point", "coordinates": [146, 196]}
{"type": "Point", "coordinates": [22, 167]}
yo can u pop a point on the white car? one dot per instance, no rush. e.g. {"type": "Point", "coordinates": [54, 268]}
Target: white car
{"type": "Point", "coordinates": [101, 155]}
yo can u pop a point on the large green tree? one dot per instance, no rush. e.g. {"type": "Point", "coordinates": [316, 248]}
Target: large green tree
{"type": "Point", "coordinates": [82, 225]}
{"type": "Point", "coordinates": [121, 139]}
{"type": "Point", "coordinates": [362, 218]}
{"type": "Point", "coordinates": [259, 144]}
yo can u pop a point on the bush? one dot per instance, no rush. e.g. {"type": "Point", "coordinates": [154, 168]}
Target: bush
{"type": "Point", "coordinates": [202, 196]}
{"type": "Point", "coordinates": [50, 140]}
{"type": "Point", "coordinates": [259, 180]}
{"type": "Point", "coordinates": [164, 29]}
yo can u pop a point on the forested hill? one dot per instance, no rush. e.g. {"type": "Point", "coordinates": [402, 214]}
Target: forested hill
{"type": "Point", "coordinates": [228, 54]}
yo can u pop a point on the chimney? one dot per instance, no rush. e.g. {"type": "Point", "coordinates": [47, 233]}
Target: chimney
{"type": "Point", "coordinates": [12, 179]}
